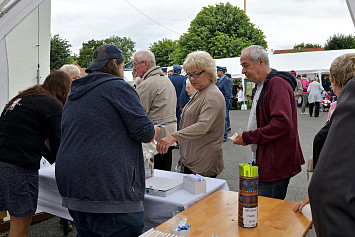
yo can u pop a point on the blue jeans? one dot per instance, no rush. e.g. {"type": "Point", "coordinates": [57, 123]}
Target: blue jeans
{"type": "Point", "coordinates": [108, 224]}
{"type": "Point", "coordinates": [227, 123]}
{"type": "Point", "coordinates": [277, 189]}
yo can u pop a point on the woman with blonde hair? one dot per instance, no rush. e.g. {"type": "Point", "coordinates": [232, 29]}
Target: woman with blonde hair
{"type": "Point", "coordinates": [29, 120]}
{"type": "Point", "coordinates": [200, 135]}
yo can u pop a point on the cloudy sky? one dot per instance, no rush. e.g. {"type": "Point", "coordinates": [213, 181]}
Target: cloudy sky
{"type": "Point", "coordinates": [284, 22]}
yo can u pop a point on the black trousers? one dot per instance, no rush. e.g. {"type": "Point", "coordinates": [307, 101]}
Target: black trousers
{"type": "Point", "coordinates": [164, 161]}
{"type": "Point", "coordinates": [316, 109]}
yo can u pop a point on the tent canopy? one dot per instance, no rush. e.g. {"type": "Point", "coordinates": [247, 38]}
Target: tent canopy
{"type": "Point", "coordinates": [351, 6]}
{"type": "Point", "coordinates": [13, 12]}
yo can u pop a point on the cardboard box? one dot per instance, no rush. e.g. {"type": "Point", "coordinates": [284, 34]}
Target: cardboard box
{"type": "Point", "coordinates": [194, 187]}
{"type": "Point", "coordinates": [163, 187]}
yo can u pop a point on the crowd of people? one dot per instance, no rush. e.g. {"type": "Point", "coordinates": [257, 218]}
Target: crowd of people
{"type": "Point", "coordinates": [94, 135]}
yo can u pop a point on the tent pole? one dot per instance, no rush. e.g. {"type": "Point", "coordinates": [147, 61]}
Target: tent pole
{"type": "Point", "coordinates": [7, 9]}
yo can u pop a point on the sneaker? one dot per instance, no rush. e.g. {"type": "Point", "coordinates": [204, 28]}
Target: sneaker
{"type": "Point", "coordinates": [224, 139]}
{"type": "Point", "coordinates": [229, 129]}
{"type": "Point", "coordinates": [304, 113]}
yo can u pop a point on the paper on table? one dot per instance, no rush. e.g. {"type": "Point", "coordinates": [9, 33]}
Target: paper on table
{"type": "Point", "coordinates": [250, 217]}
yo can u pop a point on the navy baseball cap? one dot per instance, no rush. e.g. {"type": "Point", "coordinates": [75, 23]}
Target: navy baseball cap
{"type": "Point", "coordinates": [102, 54]}
{"type": "Point", "coordinates": [219, 68]}
{"type": "Point", "coordinates": [177, 67]}
{"type": "Point", "coordinates": [164, 69]}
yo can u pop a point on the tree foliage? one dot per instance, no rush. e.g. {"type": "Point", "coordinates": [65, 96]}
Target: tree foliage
{"type": "Point", "coordinates": [308, 45]}
{"type": "Point", "coordinates": [60, 52]}
{"type": "Point", "coordinates": [88, 49]}
{"type": "Point", "coordinates": [339, 41]}
{"type": "Point", "coordinates": [162, 51]}
{"type": "Point", "coordinates": [222, 30]}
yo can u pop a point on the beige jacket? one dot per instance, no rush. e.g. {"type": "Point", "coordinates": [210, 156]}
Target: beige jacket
{"type": "Point", "coordinates": [158, 97]}
{"type": "Point", "coordinates": [201, 132]}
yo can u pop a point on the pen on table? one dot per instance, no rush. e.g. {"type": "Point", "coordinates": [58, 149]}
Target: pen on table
{"type": "Point", "coordinates": [159, 125]}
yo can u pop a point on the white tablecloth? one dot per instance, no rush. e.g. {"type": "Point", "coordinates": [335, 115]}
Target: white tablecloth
{"type": "Point", "coordinates": [156, 209]}
{"type": "Point", "coordinates": [49, 199]}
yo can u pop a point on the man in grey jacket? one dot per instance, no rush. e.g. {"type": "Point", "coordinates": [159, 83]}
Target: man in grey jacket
{"type": "Point", "coordinates": [158, 97]}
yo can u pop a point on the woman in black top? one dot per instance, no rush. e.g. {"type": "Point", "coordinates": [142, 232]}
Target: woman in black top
{"type": "Point", "coordinates": [29, 129]}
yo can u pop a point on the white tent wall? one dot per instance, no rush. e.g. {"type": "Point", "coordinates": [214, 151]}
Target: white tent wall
{"type": "Point", "coordinates": [4, 82]}
{"type": "Point", "coordinates": [351, 6]}
{"type": "Point", "coordinates": [24, 43]}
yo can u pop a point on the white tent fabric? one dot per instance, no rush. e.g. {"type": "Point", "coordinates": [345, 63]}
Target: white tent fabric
{"type": "Point", "coordinates": [4, 75]}
{"type": "Point", "coordinates": [16, 15]}
{"type": "Point", "coordinates": [8, 22]}
{"type": "Point", "coordinates": [351, 6]}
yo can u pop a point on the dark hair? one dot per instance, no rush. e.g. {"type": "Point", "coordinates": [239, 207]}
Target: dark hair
{"type": "Point", "coordinates": [56, 84]}
{"type": "Point", "coordinates": [111, 67]}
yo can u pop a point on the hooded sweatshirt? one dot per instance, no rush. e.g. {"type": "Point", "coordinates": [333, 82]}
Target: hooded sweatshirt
{"type": "Point", "coordinates": [279, 155]}
{"type": "Point", "coordinates": [100, 166]}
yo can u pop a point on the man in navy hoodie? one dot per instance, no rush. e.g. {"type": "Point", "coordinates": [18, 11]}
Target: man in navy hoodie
{"type": "Point", "coordinates": [272, 127]}
{"type": "Point", "coordinates": [100, 168]}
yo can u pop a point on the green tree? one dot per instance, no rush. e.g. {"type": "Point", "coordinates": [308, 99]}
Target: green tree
{"type": "Point", "coordinates": [222, 30]}
{"type": "Point", "coordinates": [309, 45]}
{"type": "Point", "coordinates": [339, 41]}
{"type": "Point", "coordinates": [162, 51]}
{"type": "Point", "coordinates": [60, 52]}
{"type": "Point", "coordinates": [88, 49]}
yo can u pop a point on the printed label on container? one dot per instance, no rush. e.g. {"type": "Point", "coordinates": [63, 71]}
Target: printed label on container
{"type": "Point", "coordinates": [250, 217]}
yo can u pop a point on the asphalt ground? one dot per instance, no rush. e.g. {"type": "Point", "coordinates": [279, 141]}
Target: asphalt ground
{"type": "Point", "coordinates": [233, 155]}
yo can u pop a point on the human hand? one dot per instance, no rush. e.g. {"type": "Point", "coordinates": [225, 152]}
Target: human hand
{"type": "Point", "coordinates": [299, 206]}
{"type": "Point", "coordinates": [164, 144]}
{"type": "Point", "coordinates": [157, 132]}
{"type": "Point", "coordinates": [239, 140]}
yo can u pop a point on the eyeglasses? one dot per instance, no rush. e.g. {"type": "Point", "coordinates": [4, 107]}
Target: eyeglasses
{"type": "Point", "coordinates": [135, 64]}
{"type": "Point", "coordinates": [195, 75]}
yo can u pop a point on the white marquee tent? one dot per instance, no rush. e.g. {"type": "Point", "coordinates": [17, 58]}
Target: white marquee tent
{"type": "Point", "coordinates": [351, 6]}
{"type": "Point", "coordinates": [13, 13]}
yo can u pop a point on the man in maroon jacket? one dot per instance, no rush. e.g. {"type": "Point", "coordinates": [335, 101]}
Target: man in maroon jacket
{"type": "Point", "coordinates": [272, 127]}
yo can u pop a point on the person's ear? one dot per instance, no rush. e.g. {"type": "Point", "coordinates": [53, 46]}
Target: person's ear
{"type": "Point", "coordinates": [261, 61]}
{"type": "Point", "coordinates": [334, 83]}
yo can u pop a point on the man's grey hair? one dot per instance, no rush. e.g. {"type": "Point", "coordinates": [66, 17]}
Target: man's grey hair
{"type": "Point", "coordinates": [145, 55]}
{"type": "Point", "coordinates": [70, 69]}
{"type": "Point", "coordinates": [256, 52]}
